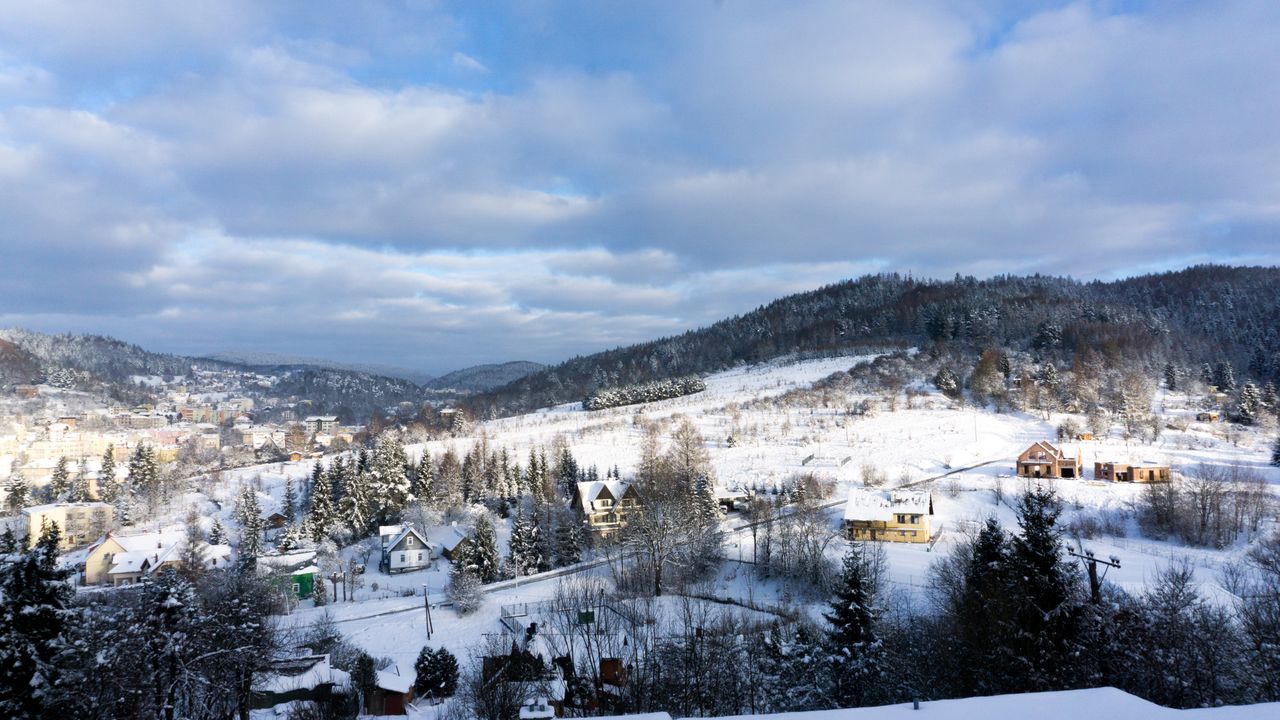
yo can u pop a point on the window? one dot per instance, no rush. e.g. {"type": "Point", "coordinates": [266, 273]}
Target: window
{"type": "Point", "coordinates": [401, 557]}
{"type": "Point", "coordinates": [419, 557]}
{"type": "Point", "coordinates": [408, 542]}
{"type": "Point", "coordinates": [296, 588]}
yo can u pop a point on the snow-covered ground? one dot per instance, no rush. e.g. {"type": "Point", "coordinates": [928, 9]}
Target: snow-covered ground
{"type": "Point", "coordinates": [777, 434]}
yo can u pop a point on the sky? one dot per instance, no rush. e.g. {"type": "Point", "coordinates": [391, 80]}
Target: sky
{"type": "Point", "coordinates": [436, 184]}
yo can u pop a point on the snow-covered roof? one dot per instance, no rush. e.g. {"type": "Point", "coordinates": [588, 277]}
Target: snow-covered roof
{"type": "Point", "coordinates": [394, 680]}
{"type": "Point", "coordinates": [406, 532]}
{"type": "Point", "coordinates": [446, 536]}
{"type": "Point", "coordinates": [54, 506]}
{"type": "Point", "coordinates": [143, 558]}
{"type": "Point", "coordinates": [864, 504]}
{"type": "Point", "coordinates": [287, 560]}
{"type": "Point", "coordinates": [589, 491]}
{"type": "Point", "coordinates": [302, 673]}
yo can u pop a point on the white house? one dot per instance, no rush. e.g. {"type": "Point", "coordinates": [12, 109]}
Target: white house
{"type": "Point", "coordinates": [406, 550]}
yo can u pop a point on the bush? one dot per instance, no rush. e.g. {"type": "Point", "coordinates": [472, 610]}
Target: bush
{"type": "Point", "coordinates": [464, 592]}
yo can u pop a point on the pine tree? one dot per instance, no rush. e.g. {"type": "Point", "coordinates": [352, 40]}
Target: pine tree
{"type": "Point", "coordinates": [1224, 377]}
{"type": "Point", "coordinates": [1249, 404]}
{"type": "Point", "coordinates": [107, 473]}
{"type": "Point", "coordinates": [437, 674]}
{"type": "Point", "coordinates": [855, 650]}
{"type": "Point", "coordinates": [321, 515]}
{"type": "Point", "coordinates": [387, 481]}
{"type": "Point", "coordinates": [706, 508]}
{"type": "Point", "coordinates": [570, 537]}
{"type": "Point", "coordinates": [217, 533]}
{"type": "Point", "coordinates": [34, 621]}
{"type": "Point", "coordinates": [19, 492]}
{"type": "Point", "coordinates": [194, 553]}
{"type": "Point", "coordinates": [289, 507]}
{"type": "Point", "coordinates": [108, 488]}
{"type": "Point", "coordinates": [249, 516]}
{"type": "Point", "coordinates": [79, 490]}
{"type": "Point", "coordinates": [526, 557]}
{"type": "Point", "coordinates": [60, 482]}
{"type": "Point", "coordinates": [480, 553]}
{"type": "Point", "coordinates": [1043, 615]}
{"type": "Point", "coordinates": [567, 473]}
{"type": "Point", "coordinates": [144, 476]}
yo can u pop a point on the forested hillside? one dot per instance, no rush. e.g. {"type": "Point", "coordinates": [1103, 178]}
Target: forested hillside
{"type": "Point", "coordinates": [1204, 314]}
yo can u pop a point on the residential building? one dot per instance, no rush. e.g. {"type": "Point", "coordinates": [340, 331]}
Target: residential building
{"type": "Point", "coordinates": [1147, 471]}
{"type": "Point", "coordinates": [126, 559]}
{"type": "Point", "coordinates": [80, 523]}
{"type": "Point", "coordinates": [1044, 460]}
{"type": "Point", "coordinates": [306, 678]}
{"type": "Point", "coordinates": [404, 549]}
{"type": "Point", "coordinates": [320, 424]}
{"type": "Point", "coordinates": [605, 504]}
{"type": "Point", "coordinates": [893, 516]}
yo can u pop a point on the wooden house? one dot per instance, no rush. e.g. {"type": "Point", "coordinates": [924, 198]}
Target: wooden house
{"type": "Point", "coordinates": [605, 504]}
{"type": "Point", "coordinates": [307, 678]}
{"type": "Point", "coordinates": [392, 692]}
{"type": "Point", "coordinates": [893, 516]}
{"type": "Point", "coordinates": [1044, 460]}
{"type": "Point", "coordinates": [1141, 472]}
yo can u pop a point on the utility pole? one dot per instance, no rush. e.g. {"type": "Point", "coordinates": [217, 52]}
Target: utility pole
{"type": "Point", "coordinates": [1091, 564]}
{"type": "Point", "coordinates": [426, 602]}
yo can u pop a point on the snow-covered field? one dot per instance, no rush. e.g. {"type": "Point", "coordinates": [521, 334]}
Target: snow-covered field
{"type": "Point", "coordinates": [775, 439]}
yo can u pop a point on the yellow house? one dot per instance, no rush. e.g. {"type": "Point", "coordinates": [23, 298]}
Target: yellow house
{"type": "Point", "coordinates": [893, 516]}
{"type": "Point", "coordinates": [126, 559]}
{"type": "Point", "coordinates": [605, 504]}
{"type": "Point", "coordinates": [80, 523]}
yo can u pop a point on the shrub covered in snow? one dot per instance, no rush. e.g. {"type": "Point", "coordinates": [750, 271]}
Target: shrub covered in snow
{"type": "Point", "coordinates": [647, 392]}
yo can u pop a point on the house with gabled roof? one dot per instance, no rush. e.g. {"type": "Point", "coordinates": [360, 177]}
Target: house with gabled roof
{"type": "Point", "coordinates": [1044, 460]}
{"type": "Point", "coordinates": [888, 515]}
{"type": "Point", "coordinates": [126, 559]}
{"type": "Point", "coordinates": [605, 504]}
{"type": "Point", "coordinates": [406, 550]}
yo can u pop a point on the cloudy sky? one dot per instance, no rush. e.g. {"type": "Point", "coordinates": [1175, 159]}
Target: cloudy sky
{"type": "Point", "coordinates": [434, 185]}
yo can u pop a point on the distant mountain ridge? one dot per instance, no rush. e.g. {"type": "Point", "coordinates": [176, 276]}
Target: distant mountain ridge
{"type": "Point", "coordinates": [484, 377]}
{"type": "Point", "coordinates": [269, 359]}
{"type": "Point", "coordinates": [1203, 314]}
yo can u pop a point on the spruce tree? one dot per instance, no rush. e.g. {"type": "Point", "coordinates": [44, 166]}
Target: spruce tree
{"type": "Point", "coordinates": [1224, 377]}
{"type": "Point", "coordinates": [1249, 404]}
{"type": "Point", "coordinates": [321, 514]}
{"type": "Point", "coordinates": [1043, 614]}
{"type": "Point", "coordinates": [108, 488]}
{"type": "Point", "coordinates": [60, 482]}
{"type": "Point", "coordinates": [480, 553]}
{"type": "Point", "coordinates": [570, 538]}
{"type": "Point", "coordinates": [79, 490]}
{"type": "Point", "coordinates": [854, 649]}
{"type": "Point", "coordinates": [526, 558]}
{"type": "Point", "coordinates": [289, 506]}
{"type": "Point", "coordinates": [217, 533]}
{"type": "Point", "coordinates": [1275, 452]}
{"type": "Point", "coordinates": [437, 674]}
{"type": "Point", "coordinates": [387, 481]}
{"type": "Point", "coordinates": [1170, 377]}
{"type": "Point", "coordinates": [19, 492]}
{"type": "Point", "coordinates": [249, 516]}
{"type": "Point", "coordinates": [567, 473]}
{"type": "Point", "coordinates": [34, 621]}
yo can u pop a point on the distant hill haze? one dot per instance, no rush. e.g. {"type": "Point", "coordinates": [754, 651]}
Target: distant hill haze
{"type": "Point", "coordinates": [484, 377]}
{"type": "Point", "coordinates": [1203, 314]}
